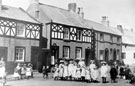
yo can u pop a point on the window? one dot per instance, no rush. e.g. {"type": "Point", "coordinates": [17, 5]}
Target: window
{"type": "Point", "coordinates": [66, 33]}
{"type": "Point", "coordinates": [19, 54]}
{"type": "Point", "coordinates": [101, 54]}
{"type": "Point", "coordinates": [78, 53]}
{"type": "Point", "coordinates": [20, 30]}
{"type": "Point", "coordinates": [78, 35]}
{"type": "Point", "coordinates": [66, 52]}
{"type": "Point", "coordinates": [101, 37]}
{"type": "Point", "coordinates": [118, 39]}
{"type": "Point", "coordinates": [134, 55]}
{"type": "Point", "coordinates": [111, 38]}
{"type": "Point", "coordinates": [37, 14]}
{"type": "Point", "coordinates": [118, 54]}
{"type": "Point", "coordinates": [123, 55]}
{"type": "Point", "coordinates": [111, 54]}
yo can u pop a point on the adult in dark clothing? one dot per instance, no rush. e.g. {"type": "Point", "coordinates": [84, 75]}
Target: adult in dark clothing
{"type": "Point", "coordinates": [113, 73]}
{"type": "Point", "coordinates": [127, 73]}
{"type": "Point", "coordinates": [121, 72]}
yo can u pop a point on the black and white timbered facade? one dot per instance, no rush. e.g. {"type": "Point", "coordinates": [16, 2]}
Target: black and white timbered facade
{"type": "Point", "coordinates": [70, 42]}
{"type": "Point", "coordinates": [19, 42]}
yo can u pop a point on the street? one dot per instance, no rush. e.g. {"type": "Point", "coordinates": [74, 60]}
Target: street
{"type": "Point", "coordinates": [39, 81]}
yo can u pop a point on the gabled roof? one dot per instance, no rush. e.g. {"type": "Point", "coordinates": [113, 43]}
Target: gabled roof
{"type": "Point", "coordinates": [67, 17]}
{"type": "Point", "coordinates": [16, 13]}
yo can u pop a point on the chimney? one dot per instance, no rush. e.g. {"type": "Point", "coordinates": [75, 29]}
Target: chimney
{"type": "Point", "coordinates": [0, 5]}
{"type": "Point", "coordinates": [119, 27]}
{"type": "Point", "coordinates": [80, 12]}
{"type": "Point", "coordinates": [105, 21]}
{"type": "Point", "coordinates": [72, 7]}
{"type": "Point", "coordinates": [34, 1]}
{"type": "Point", "coordinates": [132, 30]}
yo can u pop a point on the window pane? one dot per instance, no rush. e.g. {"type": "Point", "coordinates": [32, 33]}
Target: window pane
{"type": "Point", "coordinates": [66, 33]}
{"type": "Point", "coordinates": [78, 53]}
{"type": "Point", "coordinates": [19, 55]}
{"type": "Point", "coordinates": [66, 52]}
{"type": "Point", "coordinates": [20, 29]}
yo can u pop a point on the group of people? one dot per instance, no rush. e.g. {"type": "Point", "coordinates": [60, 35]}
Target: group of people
{"type": "Point", "coordinates": [79, 72]}
{"type": "Point", "coordinates": [23, 71]}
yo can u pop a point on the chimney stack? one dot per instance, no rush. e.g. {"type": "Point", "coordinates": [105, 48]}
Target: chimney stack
{"type": "Point", "coordinates": [132, 30]}
{"type": "Point", "coordinates": [72, 7]}
{"type": "Point", "coordinates": [119, 27]}
{"type": "Point", "coordinates": [0, 5]}
{"type": "Point", "coordinates": [80, 12]}
{"type": "Point", "coordinates": [105, 21]}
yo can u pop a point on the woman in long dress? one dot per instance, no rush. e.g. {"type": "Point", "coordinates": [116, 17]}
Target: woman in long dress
{"type": "Point", "coordinates": [56, 72]}
{"type": "Point", "coordinates": [61, 71]}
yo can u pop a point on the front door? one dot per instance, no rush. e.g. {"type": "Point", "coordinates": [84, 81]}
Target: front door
{"type": "Point", "coordinates": [55, 54]}
{"type": "Point", "coordinates": [87, 56]}
{"type": "Point", "coordinates": [34, 57]}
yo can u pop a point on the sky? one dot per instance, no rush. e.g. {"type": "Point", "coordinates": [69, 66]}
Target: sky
{"type": "Point", "coordinates": [119, 12]}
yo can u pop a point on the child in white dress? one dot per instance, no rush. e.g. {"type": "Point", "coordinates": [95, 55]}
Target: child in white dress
{"type": "Point", "coordinates": [28, 71]}
{"type": "Point", "coordinates": [56, 73]}
{"type": "Point", "coordinates": [87, 75]}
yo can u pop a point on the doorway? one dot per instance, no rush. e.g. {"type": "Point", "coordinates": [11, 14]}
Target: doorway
{"type": "Point", "coordinates": [87, 56]}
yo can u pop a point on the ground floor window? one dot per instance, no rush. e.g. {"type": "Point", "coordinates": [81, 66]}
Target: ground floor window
{"type": "Point", "coordinates": [66, 52]}
{"type": "Point", "coordinates": [118, 54]}
{"type": "Point", "coordinates": [101, 54]}
{"type": "Point", "coordinates": [78, 53]}
{"type": "Point", "coordinates": [123, 55]}
{"type": "Point", "coordinates": [19, 54]}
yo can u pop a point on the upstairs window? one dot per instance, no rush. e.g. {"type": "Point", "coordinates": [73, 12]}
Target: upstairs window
{"type": "Point", "coordinates": [111, 38]}
{"type": "Point", "coordinates": [78, 35]}
{"type": "Point", "coordinates": [66, 33]}
{"type": "Point", "coordinates": [101, 37]}
{"type": "Point", "coordinates": [19, 54]}
{"type": "Point", "coordinates": [20, 31]}
{"type": "Point", "coordinates": [37, 14]}
{"type": "Point", "coordinates": [118, 39]}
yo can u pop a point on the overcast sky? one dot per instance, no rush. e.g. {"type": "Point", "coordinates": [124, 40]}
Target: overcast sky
{"type": "Point", "coordinates": [119, 12]}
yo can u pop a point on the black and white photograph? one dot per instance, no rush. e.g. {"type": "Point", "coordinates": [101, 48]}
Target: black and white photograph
{"type": "Point", "coordinates": [67, 42]}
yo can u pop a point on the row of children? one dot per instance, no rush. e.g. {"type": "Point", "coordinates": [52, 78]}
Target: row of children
{"type": "Point", "coordinates": [23, 71]}
{"type": "Point", "coordinates": [76, 72]}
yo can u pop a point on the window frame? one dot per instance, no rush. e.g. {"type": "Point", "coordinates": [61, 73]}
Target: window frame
{"type": "Point", "coordinates": [68, 29]}
{"type": "Point", "coordinates": [101, 37]}
{"type": "Point", "coordinates": [80, 35]}
{"type": "Point", "coordinates": [15, 59]}
{"type": "Point", "coordinates": [76, 52]}
{"type": "Point", "coordinates": [69, 51]}
{"type": "Point", "coordinates": [24, 29]}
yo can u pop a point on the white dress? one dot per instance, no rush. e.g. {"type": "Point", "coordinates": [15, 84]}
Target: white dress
{"type": "Point", "coordinates": [83, 72]}
{"type": "Point", "coordinates": [95, 74]}
{"type": "Point", "coordinates": [60, 70]}
{"type": "Point", "coordinates": [65, 73]}
{"type": "Point", "coordinates": [78, 73]}
{"type": "Point", "coordinates": [28, 71]}
{"type": "Point", "coordinates": [56, 73]}
{"type": "Point", "coordinates": [2, 71]}
{"type": "Point", "coordinates": [74, 75]}
{"type": "Point", "coordinates": [70, 69]}
{"type": "Point", "coordinates": [87, 74]}
{"type": "Point", "coordinates": [104, 71]}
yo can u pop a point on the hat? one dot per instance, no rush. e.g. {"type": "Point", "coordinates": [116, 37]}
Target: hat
{"type": "Point", "coordinates": [103, 62]}
{"type": "Point", "coordinates": [61, 61]}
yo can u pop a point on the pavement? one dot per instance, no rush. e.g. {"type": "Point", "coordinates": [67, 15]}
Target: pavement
{"type": "Point", "coordinates": [39, 81]}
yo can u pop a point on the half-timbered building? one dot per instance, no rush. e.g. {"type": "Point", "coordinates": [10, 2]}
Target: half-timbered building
{"type": "Point", "coordinates": [71, 36]}
{"type": "Point", "coordinates": [19, 37]}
